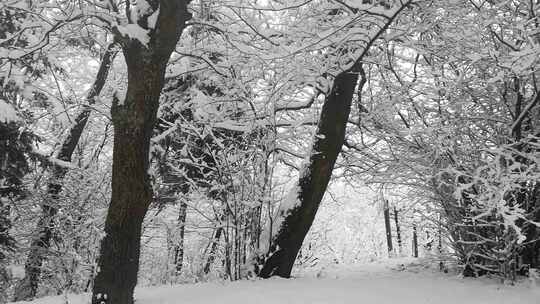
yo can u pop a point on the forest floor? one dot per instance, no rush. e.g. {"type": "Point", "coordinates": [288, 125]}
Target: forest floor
{"type": "Point", "coordinates": [389, 282]}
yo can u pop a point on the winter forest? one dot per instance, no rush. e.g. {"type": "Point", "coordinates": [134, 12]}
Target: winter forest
{"type": "Point", "coordinates": [270, 151]}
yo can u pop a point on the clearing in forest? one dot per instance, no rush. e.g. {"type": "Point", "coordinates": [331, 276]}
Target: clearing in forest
{"type": "Point", "coordinates": [388, 282]}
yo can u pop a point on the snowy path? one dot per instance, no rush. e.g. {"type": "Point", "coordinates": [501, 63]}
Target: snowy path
{"type": "Point", "coordinates": [373, 284]}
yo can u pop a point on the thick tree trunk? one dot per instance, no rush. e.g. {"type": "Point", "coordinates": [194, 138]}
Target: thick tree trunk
{"type": "Point", "coordinates": [398, 230]}
{"type": "Point", "coordinates": [387, 227]}
{"type": "Point", "coordinates": [27, 288]}
{"type": "Point", "coordinates": [133, 125]}
{"type": "Point", "coordinates": [313, 182]}
{"type": "Point", "coordinates": [131, 194]}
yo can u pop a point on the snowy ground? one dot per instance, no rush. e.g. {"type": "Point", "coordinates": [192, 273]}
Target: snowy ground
{"type": "Point", "coordinates": [378, 283]}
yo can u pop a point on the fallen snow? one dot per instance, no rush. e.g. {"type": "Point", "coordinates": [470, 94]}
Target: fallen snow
{"type": "Point", "coordinates": [380, 283]}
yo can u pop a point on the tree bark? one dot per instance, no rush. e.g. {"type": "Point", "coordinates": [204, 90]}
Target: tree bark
{"type": "Point", "coordinates": [415, 242]}
{"type": "Point", "coordinates": [398, 230]}
{"type": "Point", "coordinates": [388, 228]}
{"type": "Point", "coordinates": [312, 183]}
{"type": "Point", "coordinates": [179, 245]}
{"type": "Point", "coordinates": [133, 124]}
{"type": "Point", "coordinates": [326, 147]}
{"type": "Point", "coordinates": [41, 241]}
{"type": "Point", "coordinates": [213, 249]}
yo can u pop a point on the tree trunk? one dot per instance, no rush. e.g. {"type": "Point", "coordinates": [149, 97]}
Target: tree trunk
{"type": "Point", "coordinates": [313, 182]}
{"type": "Point", "coordinates": [439, 236]}
{"type": "Point", "coordinates": [179, 245]}
{"type": "Point", "coordinates": [398, 231]}
{"type": "Point", "coordinates": [133, 124]}
{"type": "Point", "coordinates": [415, 241]}
{"type": "Point", "coordinates": [213, 249]}
{"type": "Point", "coordinates": [315, 177]}
{"type": "Point", "coordinates": [388, 227]}
{"type": "Point", "coordinates": [41, 241]}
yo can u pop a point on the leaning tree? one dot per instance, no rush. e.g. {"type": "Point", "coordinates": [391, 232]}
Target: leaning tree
{"type": "Point", "coordinates": [341, 81]}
